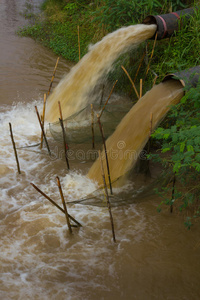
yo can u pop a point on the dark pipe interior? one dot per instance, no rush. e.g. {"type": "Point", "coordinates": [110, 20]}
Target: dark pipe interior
{"type": "Point", "coordinates": [188, 78]}
{"type": "Point", "coordinates": [167, 23]}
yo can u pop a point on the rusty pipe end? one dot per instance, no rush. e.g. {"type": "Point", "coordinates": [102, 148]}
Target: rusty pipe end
{"type": "Point", "coordinates": [188, 78]}
{"type": "Point", "coordinates": [167, 24]}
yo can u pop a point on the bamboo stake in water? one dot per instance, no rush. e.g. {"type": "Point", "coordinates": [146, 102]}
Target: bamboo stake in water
{"type": "Point", "coordinates": [54, 203]}
{"type": "Point", "coordinates": [140, 88]}
{"type": "Point", "coordinates": [92, 125]}
{"type": "Point", "coordinates": [108, 98]}
{"type": "Point", "coordinates": [148, 67]}
{"type": "Point", "coordinates": [42, 128]}
{"type": "Point", "coordinates": [15, 150]}
{"type": "Point", "coordinates": [64, 204]}
{"type": "Point", "coordinates": [43, 118]}
{"type": "Point", "coordinates": [64, 135]}
{"type": "Point", "coordinates": [105, 150]}
{"type": "Point", "coordinates": [53, 76]}
{"type": "Point", "coordinates": [107, 197]}
{"type": "Point", "coordinates": [131, 82]}
{"type": "Point", "coordinates": [79, 47]}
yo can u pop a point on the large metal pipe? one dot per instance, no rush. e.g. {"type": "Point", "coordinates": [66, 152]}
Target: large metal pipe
{"type": "Point", "coordinates": [188, 78]}
{"type": "Point", "coordinates": [167, 23]}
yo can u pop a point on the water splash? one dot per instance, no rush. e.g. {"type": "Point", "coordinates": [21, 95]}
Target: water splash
{"type": "Point", "coordinates": [73, 90]}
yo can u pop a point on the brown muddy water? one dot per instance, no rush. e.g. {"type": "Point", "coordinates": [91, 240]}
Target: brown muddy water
{"type": "Point", "coordinates": [155, 257]}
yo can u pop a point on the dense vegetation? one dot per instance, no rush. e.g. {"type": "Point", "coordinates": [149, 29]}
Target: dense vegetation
{"type": "Point", "coordinates": [179, 134]}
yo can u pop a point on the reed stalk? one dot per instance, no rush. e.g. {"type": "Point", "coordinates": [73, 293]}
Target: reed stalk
{"type": "Point", "coordinates": [65, 145]}
{"type": "Point", "coordinates": [64, 204]}
{"type": "Point", "coordinates": [141, 61]}
{"type": "Point", "coordinates": [15, 150]}
{"type": "Point", "coordinates": [54, 203]}
{"type": "Point", "coordinates": [154, 82]}
{"type": "Point", "coordinates": [152, 52]}
{"type": "Point", "coordinates": [108, 99]}
{"type": "Point", "coordinates": [92, 125]}
{"type": "Point", "coordinates": [131, 82]}
{"type": "Point", "coordinates": [43, 118]}
{"type": "Point", "coordinates": [107, 197]}
{"type": "Point", "coordinates": [105, 150]}
{"type": "Point", "coordinates": [53, 76]}
{"type": "Point", "coordinates": [42, 128]}
{"type": "Point", "coordinates": [79, 47]}
{"type": "Point", "coordinates": [140, 88]}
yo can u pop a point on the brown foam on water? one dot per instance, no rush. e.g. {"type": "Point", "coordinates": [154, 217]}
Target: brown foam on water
{"type": "Point", "coordinates": [73, 90]}
{"type": "Point", "coordinates": [125, 144]}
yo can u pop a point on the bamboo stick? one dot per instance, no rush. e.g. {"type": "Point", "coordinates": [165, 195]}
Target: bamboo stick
{"type": "Point", "coordinates": [131, 82]}
{"type": "Point", "coordinates": [154, 82]}
{"type": "Point", "coordinates": [64, 135]}
{"type": "Point", "coordinates": [140, 88]}
{"type": "Point", "coordinates": [105, 150]}
{"type": "Point", "coordinates": [53, 76]}
{"type": "Point", "coordinates": [42, 128]}
{"type": "Point", "coordinates": [43, 119]}
{"type": "Point", "coordinates": [54, 203]}
{"type": "Point", "coordinates": [108, 98]}
{"type": "Point", "coordinates": [79, 47]}
{"type": "Point", "coordinates": [154, 44]}
{"type": "Point", "coordinates": [92, 125]}
{"type": "Point", "coordinates": [64, 204]}
{"type": "Point", "coordinates": [15, 150]}
{"type": "Point", "coordinates": [107, 197]}
{"type": "Point", "coordinates": [141, 61]}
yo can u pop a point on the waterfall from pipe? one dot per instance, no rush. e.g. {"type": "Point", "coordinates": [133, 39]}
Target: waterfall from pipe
{"type": "Point", "coordinates": [125, 145]}
{"type": "Point", "coordinates": [74, 88]}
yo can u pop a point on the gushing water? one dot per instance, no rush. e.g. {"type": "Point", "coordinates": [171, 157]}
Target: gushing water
{"type": "Point", "coordinates": [73, 90]}
{"type": "Point", "coordinates": [125, 145]}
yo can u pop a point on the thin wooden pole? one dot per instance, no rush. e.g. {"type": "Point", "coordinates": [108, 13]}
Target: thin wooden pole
{"type": "Point", "coordinates": [154, 82]}
{"type": "Point", "coordinates": [140, 88]}
{"type": "Point", "coordinates": [131, 82]}
{"type": "Point", "coordinates": [15, 150]}
{"type": "Point", "coordinates": [42, 128]}
{"type": "Point", "coordinates": [154, 44]}
{"type": "Point", "coordinates": [64, 204]}
{"type": "Point", "coordinates": [43, 119]}
{"type": "Point", "coordinates": [53, 76]}
{"type": "Point", "coordinates": [64, 135]}
{"type": "Point", "coordinates": [54, 203]}
{"type": "Point", "coordinates": [105, 150]}
{"type": "Point", "coordinates": [79, 47]}
{"type": "Point", "coordinates": [107, 198]}
{"type": "Point", "coordinates": [92, 125]}
{"type": "Point", "coordinates": [108, 98]}
{"type": "Point", "coordinates": [141, 61]}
